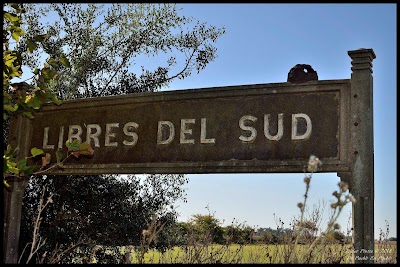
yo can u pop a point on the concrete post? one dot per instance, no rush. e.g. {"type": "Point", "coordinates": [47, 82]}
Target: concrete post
{"type": "Point", "coordinates": [12, 220]}
{"type": "Point", "coordinates": [361, 153]}
{"type": "Point", "coordinates": [18, 137]}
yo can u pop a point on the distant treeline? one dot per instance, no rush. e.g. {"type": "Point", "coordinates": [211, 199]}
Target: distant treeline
{"type": "Point", "coordinates": [206, 228]}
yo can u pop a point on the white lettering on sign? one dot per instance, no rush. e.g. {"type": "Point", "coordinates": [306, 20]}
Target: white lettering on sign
{"type": "Point", "coordinates": [95, 135]}
{"type": "Point", "coordinates": [61, 138]}
{"type": "Point", "coordinates": [203, 133]}
{"type": "Point", "coordinates": [171, 134]}
{"type": "Point", "coordinates": [109, 134]}
{"type": "Point", "coordinates": [245, 120]}
{"type": "Point", "coordinates": [46, 139]}
{"type": "Point", "coordinates": [307, 134]}
{"type": "Point", "coordinates": [166, 132]}
{"type": "Point", "coordinates": [279, 134]}
{"type": "Point", "coordinates": [131, 126]}
{"type": "Point", "coordinates": [185, 131]}
{"type": "Point", "coordinates": [77, 135]}
{"type": "Point", "coordinates": [252, 130]}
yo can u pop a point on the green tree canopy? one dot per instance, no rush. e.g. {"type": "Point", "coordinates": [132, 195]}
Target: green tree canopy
{"type": "Point", "coordinates": [121, 48]}
{"type": "Point", "coordinates": [207, 227]}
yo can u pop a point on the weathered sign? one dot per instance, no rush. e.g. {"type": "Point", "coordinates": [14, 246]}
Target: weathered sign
{"type": "Point", "coordinates": [249, 128]}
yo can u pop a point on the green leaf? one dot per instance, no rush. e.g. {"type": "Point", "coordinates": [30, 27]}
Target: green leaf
{"type": "Point", "coordinates": [28, 170]}
{"type": "Point", "coordinates": [15, 71]}
{"type": "Point", "coordinates": [21, 164]}
{"type": "Point", "coordinates": [49, 74]}
{"type": "Point", "coordinates": [28, 98]}
{"type": "Point", "coordinates": [12, 167]}
{"type": "Point", "coordinates": [10, 17]}
{"type": "Point", "coordinates": [40, 38]}
{"type": "Point", "coordinates": [31, 47]}
{"type": "Point", "coordinates": [28, 114]}
{"type": "Point", "coordinates": [10, 108]}
{"type": "Point", "coordinates": [9, 60]}
{"type": "Point", "coordinates": [52, 62]}
{"type": "Point", "coordinates": [6, 184]}
{"type": "Point", "coordinates": [65, 62]}
{"type": "Point", "coordinates": [17, 33]}
{"type": "Point", "coordinates": [72, 146]}
{"type": "Point", "coordinates": [55, 100]}
{"type": "Point", "coordinates": [36, 152]}
{"type": "Point", "coordinates": [59, 155]}
{"type": "Point", "coordinates": [35, 102]}
{"type": "Point", "coordinates": [36, 71]}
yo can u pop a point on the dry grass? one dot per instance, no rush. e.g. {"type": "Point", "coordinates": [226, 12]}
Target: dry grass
{"type": "Point", "coordinates": [263, 254]}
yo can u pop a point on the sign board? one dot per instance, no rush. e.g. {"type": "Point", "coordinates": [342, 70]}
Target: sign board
{"type": "Point", "coordinates": [249, 128]}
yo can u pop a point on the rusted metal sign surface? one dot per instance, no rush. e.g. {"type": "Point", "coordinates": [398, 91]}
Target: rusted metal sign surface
{"type": "Point", "coordinates": [249, 128]}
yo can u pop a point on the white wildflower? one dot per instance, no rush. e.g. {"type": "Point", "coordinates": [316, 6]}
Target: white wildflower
{"type": "Point", "coordinates": [313, 164]}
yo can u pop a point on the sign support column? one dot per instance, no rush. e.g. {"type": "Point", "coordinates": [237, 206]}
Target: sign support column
{"type": "Point", "coordinates": [13, 196]}
{"type": "Point", "coordinates": [12, 218]}
{"type": "Point", "coordinates": [361, 153]}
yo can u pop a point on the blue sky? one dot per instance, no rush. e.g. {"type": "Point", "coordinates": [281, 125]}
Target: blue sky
{"type": "Point", "coordinates": [262, 43]}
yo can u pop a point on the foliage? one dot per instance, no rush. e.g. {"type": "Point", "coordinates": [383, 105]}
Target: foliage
{"type": "Point", "coordinates": [23, 98]}
{"type": "Point", "coordinates": [271, 236]}
{"type": "Point", "coordinates": [17, 97]}
{"type": "Point", "coordinates": [239, 234]}
{"type": "Point", "coordinates": [98, 209]}
{"type": "Point", "coordinates": [103, 44]}
{"type": "Point", "coordinates": [12, 168]}
{"type": "Point", "coordinates": [207, 227]}
{"type": "Point", "coordinates": [173, 234]}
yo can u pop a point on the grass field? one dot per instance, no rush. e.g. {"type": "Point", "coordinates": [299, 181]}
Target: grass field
{"type": "Point", "coordinates": [261, 254]}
